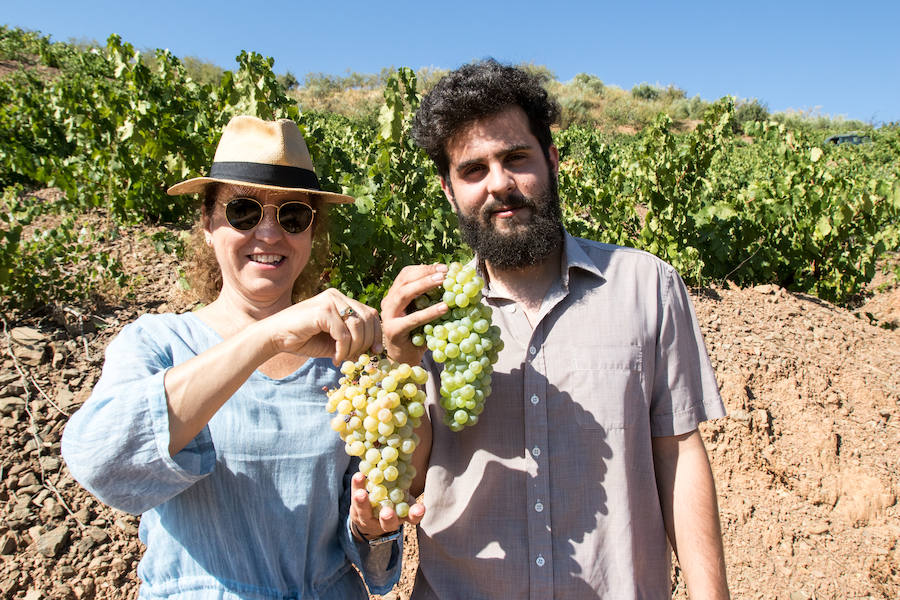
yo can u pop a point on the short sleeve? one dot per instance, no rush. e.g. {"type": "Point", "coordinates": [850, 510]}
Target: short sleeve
{"type": "Point", "coordinates": [684, 391]}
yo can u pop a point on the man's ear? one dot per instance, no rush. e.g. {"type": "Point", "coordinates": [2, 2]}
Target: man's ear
{"type": "Point", "coordinates": [553, 157]}
{"type": "Point", "coordinates": [448, 189]}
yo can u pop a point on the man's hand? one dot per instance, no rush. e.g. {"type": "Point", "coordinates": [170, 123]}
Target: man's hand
{"type": "Point", "coordinates": [365, 523]}
{"type": "Point", "coordinates": [396, 323]}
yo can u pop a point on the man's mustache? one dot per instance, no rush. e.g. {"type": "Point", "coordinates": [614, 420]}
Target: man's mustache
{"type": "Point", "coordinates": [510, 202]}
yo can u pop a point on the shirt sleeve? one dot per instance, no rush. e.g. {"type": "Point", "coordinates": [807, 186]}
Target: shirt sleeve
{"type": "Point", "coordinates": [685, 392]}
{"type": "Point", "coordinates": [381, 565]}
{"type": "Point", "coordinates": [116, 444]}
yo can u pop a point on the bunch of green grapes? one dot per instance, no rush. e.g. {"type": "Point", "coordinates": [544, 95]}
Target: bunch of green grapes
{"type": "Point", "coordinates": [379, 403]}
{"type": "Point", "coordinates": [465, 341]}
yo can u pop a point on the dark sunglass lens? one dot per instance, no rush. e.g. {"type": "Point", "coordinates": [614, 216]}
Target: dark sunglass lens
{"type": "Point", "coordinates": [243, 213]}
{"type": "Point", "coordinates": [295, 217]}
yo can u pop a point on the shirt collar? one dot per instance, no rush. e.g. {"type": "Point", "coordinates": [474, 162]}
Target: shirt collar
{"type": "Point", "coordinates": [572, 257]}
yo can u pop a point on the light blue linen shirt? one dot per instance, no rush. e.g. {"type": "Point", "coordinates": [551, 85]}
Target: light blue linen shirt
{"type": "Point", "coordinates": [255, 507]}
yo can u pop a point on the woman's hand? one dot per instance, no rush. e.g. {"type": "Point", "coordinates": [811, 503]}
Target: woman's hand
{"type": "Point", "coordinates": [327, 325]}
{"type": "Point", "coordinates": [411, 282]}
{"type": "Point", "coordinates": [369, 526]}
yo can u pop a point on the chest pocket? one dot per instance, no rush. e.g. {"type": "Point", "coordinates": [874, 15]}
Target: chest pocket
{"type": "Point", "coordinates": [603, 386]}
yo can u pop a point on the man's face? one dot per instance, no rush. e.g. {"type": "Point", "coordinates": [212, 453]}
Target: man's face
{"type": "Point", "coordinates": [504, 191]}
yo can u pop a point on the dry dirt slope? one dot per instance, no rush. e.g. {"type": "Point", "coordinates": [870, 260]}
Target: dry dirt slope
{"type": "Point", "coordinates": [806, 463]}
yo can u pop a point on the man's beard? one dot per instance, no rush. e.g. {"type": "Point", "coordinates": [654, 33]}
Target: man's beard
{"type": "Point", "coordinates": [528, 244]}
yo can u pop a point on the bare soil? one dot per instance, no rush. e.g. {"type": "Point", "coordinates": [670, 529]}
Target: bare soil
{"type": "Point", "coordinates": [806, 463]}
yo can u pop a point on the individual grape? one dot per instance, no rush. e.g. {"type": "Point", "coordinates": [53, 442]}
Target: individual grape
{"type": "Point", "coordinates": [375, 475]}
{"type": "Point", "coordinates": [377, 494]}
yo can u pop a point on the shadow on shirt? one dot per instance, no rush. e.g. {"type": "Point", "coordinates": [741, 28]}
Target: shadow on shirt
{"type": "Point", "coordinates": [489, 538]}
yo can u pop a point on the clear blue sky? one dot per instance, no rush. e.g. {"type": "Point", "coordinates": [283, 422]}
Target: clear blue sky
{"type": "Point", "coordinates": [829, 57]}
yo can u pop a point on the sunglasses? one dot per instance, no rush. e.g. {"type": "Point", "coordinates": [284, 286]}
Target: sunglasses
{"type": "Point", "coordinates": [245, 213]}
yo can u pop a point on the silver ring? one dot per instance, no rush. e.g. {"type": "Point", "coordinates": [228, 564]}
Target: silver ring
{"type": "Point", "coordinates": [346, 313]}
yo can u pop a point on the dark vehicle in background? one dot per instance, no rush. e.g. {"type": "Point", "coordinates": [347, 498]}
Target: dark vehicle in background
{"type": "Point", "coordinates": [852, 137]}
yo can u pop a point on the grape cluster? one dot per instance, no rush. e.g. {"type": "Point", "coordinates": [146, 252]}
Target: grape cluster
{"type": "Point", "coordinates": [465, 341]}
{"type": "Point", "coordinates": [379, 403]}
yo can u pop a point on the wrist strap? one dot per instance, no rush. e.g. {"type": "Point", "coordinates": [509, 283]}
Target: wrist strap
{"type": "Point", "coordinates": [376, 541]}
{"type": "Point", "coordinates": [387, 538]}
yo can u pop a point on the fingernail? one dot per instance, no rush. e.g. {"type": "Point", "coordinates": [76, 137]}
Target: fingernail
{"type": "Point", "coordinates": [437, 277]}
{"type": "Point", "coordinates": [440, 267]}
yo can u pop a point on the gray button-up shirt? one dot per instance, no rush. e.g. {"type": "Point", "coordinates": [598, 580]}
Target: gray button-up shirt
{"type": "Point", "coordinates": [552, 494]}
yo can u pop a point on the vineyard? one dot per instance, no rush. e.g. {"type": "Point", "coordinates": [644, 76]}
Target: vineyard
{"type": "Point", "coordinates": [112, 129]}
{"type": "Point", "coordinates": [755, 215]}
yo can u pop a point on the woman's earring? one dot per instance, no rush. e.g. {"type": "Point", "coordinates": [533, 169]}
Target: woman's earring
{"type": "Point", "coordinates": [209, 239]}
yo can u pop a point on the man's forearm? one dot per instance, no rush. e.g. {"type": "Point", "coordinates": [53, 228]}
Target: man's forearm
{"type": "Point", "coordinates": [687, 495]}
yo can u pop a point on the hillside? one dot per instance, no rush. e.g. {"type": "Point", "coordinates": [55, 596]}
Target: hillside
{"type": "Point", "coordinates": [806, 463]}
{"type": "Point", "coordinates": [584, 100]}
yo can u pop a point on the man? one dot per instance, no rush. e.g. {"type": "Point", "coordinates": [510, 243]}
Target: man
{"type": "Point", "coordinates": [587, 457]}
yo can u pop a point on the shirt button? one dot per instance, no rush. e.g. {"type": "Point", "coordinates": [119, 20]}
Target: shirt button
{"type": "Point", "coordinates": [535, 451]}
{"type": "Point", "coordinates": [532, 351]}
{"type": "Point", "coordinates": [539, 561]}
{"type": "Point", "coordinates": [539, 507]}
{"type": "Point", "coordinates": [535, 399]}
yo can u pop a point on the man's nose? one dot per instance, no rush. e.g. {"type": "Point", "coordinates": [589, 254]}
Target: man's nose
{"type": "Point", "coordinates": [499, 181]}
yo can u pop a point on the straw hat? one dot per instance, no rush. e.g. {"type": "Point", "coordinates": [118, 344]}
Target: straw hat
{"type": "Point", "coordinates": [265, 154]}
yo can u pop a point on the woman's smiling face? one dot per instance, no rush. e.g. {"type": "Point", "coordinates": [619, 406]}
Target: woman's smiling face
{"type": "Point", "coordinates": [261, 264]}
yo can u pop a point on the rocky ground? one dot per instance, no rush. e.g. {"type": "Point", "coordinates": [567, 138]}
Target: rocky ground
{"type": "Point", "coordinates": [806, 464]}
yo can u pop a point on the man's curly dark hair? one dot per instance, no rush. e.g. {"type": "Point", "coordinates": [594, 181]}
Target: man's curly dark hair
{"type": "Point", "coordinates": [475, 91]}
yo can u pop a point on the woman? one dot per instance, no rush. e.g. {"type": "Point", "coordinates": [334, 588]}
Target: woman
{"type": "Point", "coordinates": [212, 424]}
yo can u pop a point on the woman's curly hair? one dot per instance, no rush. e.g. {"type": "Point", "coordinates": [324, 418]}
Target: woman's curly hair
{"type": "Point", "coordinates": [475, 91]}
{"type": "Point", "coordinates": [205, 276]}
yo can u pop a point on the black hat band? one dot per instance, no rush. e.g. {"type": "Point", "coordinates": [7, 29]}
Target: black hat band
{"type": "Point", "coordinates": [263, 174]}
